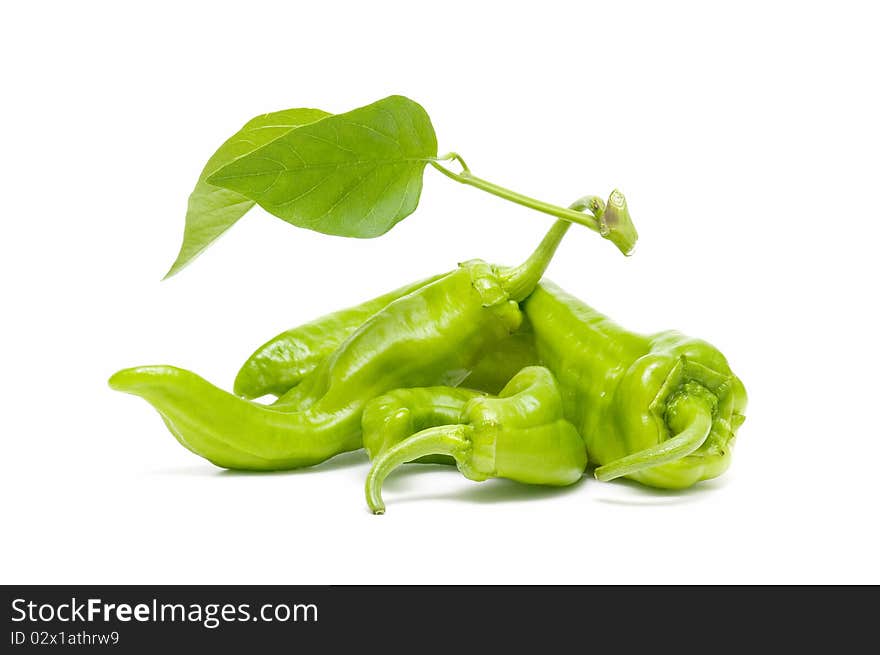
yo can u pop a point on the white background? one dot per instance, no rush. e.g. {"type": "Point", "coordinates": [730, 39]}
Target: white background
{"type": "Point", "coordinates": [746, 140]}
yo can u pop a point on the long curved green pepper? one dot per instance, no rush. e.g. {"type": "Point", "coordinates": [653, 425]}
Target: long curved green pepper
{"type": "Point", "coordinates": [521, 435]}
{"type": "Point", "coordinates": [431, 336]}
{"type": "Point", "coordinates": [428, 337]}
{"type": "Point", "coordinates": [286, 359]}
{"type": "Point", "coordinates": [660, 409]}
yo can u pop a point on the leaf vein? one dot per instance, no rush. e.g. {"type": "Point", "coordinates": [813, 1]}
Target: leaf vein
{"type": "Point", "coordinates": [329, 143]}
{"type": "Point", "coordinates": [375, 203]}
{"type": "Point", "coordinates": [348, 193]}
{"type": "Point", "coordinates": [404, 195]}
{"type": "Point", "coordinates": [295, 152]}
{"type": "Point", "coordinates": [375, 131]}
{"type": "Point", "coordinates": [335, 165]}
{"type": "Point", "coordinates": [290, 201]}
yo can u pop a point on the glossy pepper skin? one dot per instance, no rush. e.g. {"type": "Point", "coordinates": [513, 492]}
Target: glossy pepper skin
{"type": "Point", "coordinates": [521, 435]}
{"type": "Point", "coordinates": [279, 365]}
{"type": "Point", "coordinates": [661, 409]}
{"type": "Point", "coordinates": [503, 360]}
{"type": "Point", "coordinates": [432, 336]}
{"type": "Point", "coordinates": [396, 415]}
{"type": "Point", "coordinates": [285, 360]}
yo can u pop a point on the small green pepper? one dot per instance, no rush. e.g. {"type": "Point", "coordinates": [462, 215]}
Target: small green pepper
{"type": "Point", "coordinates": [396, 415]}
{"type": "Point", "coordinates": [521, 435]}
{"type": "Point", "coordinates": [660, 409]}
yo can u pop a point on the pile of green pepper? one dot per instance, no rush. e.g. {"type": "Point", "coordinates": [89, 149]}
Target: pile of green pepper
{"type": "Point", "coordinates": [486, 367]}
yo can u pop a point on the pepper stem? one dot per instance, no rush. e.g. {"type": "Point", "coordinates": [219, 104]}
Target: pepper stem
{"type": "Point", "coordinates": [681, 445]}
{"type": "Point", "coordinates": [450, 440]}
{"type": "Point", "coordinates": [519, 281]}
{"type": "Point", "coordinates": [623, 236]}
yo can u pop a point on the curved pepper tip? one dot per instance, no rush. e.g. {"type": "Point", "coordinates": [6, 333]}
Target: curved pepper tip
{"type": "Point", "coordinates": [128, 380]}
{"type": "Point", "coordinates": [121, 380]}
{"type": "Point", "coordinates": [244, 384]}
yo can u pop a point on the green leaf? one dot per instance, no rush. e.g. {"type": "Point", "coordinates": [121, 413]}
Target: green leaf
{"type": "Point", "coordinates": [354, 174]}
{"type": "Point", "coordinates": [212, 210]}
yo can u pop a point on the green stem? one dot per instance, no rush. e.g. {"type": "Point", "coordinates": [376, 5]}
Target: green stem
{"type": "Point", "coordinates": [442, 440]}
{"type": "Point", "coordinates": [681, 445]}
{"type": "Point", "coordinates": [466, 177]}
{"type": "Point", "coordinates": [519, 281]}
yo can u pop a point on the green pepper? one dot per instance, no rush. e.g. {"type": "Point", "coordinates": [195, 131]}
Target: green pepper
{"type": "Point", "coordinates": [396, 415]}
{"type": "Point", "coordinates": [431, 336]}
{"type": "Point", "coordinates": [434, 335]}
{"type": "Point", "coordinates": [521, 435]}
{"type": "Point", "coordinates": [502, 360]}
{"type": "Point", "coordinates": [285, 360]}
{"type": "Point", "coordinates": [279, 365]}
{"type": "Point", "coordinates": [660, 409]}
